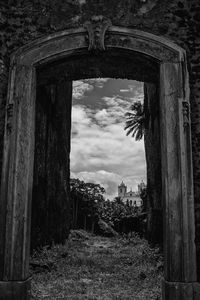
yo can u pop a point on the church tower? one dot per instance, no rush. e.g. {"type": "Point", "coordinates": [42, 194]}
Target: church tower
{"type": "Point", "coordinates": [122, 189]}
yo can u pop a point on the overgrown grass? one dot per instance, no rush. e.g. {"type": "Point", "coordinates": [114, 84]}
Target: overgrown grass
{"type": "Point", "coordinates": [97, 268]}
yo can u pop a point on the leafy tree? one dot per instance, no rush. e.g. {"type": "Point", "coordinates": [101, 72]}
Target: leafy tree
{"type": "Point", "coordinates": [113, 211]}
{"type": "Point", "coordinates": [85, 200]}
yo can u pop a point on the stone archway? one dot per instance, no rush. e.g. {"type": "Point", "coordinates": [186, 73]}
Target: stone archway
{"type": "Point", "coordinates": [17, 172]}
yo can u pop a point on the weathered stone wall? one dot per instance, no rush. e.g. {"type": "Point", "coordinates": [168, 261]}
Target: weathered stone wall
{"type": "Point", "coordinates": [178, 20]}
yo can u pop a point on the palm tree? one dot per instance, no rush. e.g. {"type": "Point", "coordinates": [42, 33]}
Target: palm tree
{"type": "Point", "coordinates": [135, 121]}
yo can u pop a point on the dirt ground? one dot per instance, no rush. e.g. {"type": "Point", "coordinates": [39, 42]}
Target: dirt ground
{"type": "Point", "coordinates": [93, 267]}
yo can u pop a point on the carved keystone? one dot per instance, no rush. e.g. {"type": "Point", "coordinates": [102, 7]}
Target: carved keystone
{"type": "Point", "coordinates": [96, 28]}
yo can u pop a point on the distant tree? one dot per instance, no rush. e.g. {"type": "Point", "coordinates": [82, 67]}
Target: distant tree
{"type": "Point", "coordinates": [118, 200]}
{"type": "Point", "coordinates": [85, 198]}
{"type": "Point", "coordinates": [113, 211]}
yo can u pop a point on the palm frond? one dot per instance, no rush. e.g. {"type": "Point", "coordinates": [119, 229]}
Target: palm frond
{"type": "Point", "coordinates": [135, 121]}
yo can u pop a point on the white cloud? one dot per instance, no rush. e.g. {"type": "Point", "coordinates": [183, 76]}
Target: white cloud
{"type": "Point", "coordinates": [97, 82]}
{"type": "Point", "coordinates": [101, 114]}
{"type": "Point", "coordinates": [80, 88]}
{"type": "Point", "coordinates": [79, 115]}
{"type": "Point", "coordinates": [124, 91]}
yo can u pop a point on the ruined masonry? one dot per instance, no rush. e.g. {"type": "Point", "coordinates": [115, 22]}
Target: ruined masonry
{"type": "Point", "coordinates": [44, 46]}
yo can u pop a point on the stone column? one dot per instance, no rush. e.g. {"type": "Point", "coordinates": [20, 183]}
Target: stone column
{"type": "Point", "coordinates": [179, 230]}
{"type": "Point", "coordinates": [16, 185]}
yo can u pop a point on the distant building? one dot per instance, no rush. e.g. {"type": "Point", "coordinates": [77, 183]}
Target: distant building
{"type": "Point", "coordinates": [131, 197]}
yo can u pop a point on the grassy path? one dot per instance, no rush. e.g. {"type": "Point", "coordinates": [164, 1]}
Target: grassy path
{"type": "Point", "coordinates": [97, 268]}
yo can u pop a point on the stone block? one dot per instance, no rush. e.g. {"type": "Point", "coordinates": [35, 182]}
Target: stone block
{"type": "Point", "coordinates": [15, 290]}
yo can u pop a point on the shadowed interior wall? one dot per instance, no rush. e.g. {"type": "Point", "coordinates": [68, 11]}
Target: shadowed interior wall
{"type": "Point", "coordinates": [50, 203]}
{"type": "Point", "coordinates": [153, 162]}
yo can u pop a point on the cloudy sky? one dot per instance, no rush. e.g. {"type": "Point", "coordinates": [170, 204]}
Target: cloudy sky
{"type": "Point", "coordinates": [100, 150]}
